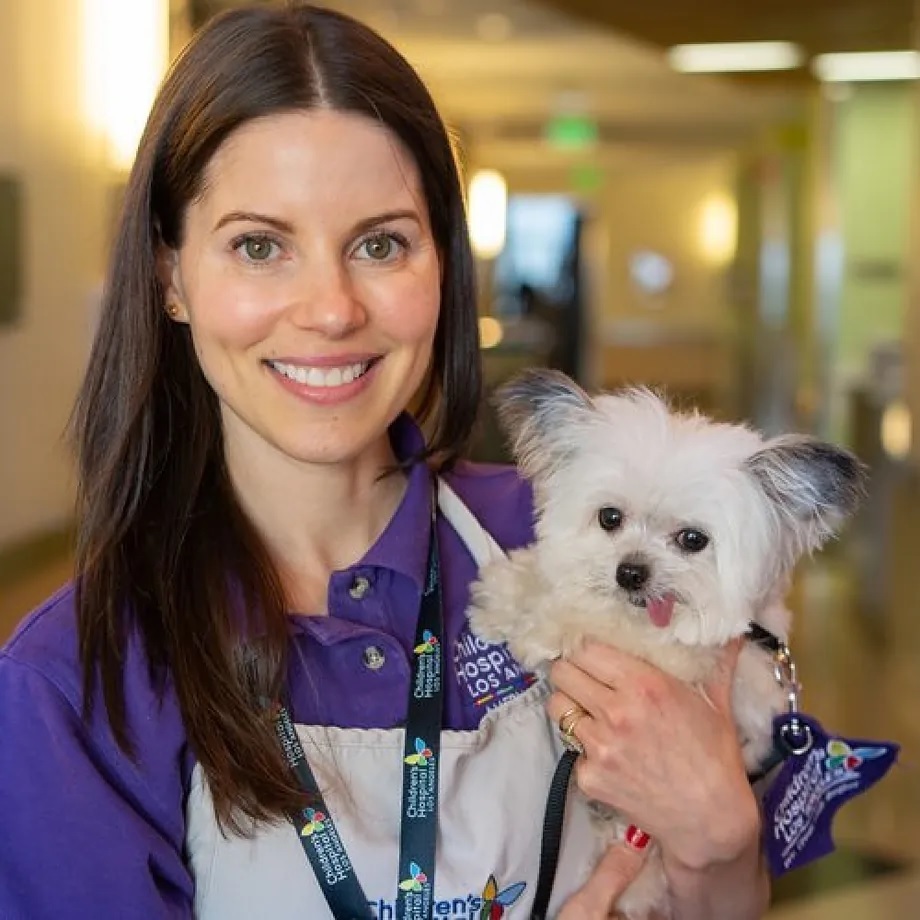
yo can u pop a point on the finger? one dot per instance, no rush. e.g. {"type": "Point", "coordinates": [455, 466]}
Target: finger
{"type": "Point", "coordinates": [570, 719]}
{"type": "Point", "coordinates": [610, 665]}
{"type": "Point", "coordinates": [579, 686]}
{"type": "Point", "coordinates": [559, 704]}
{"type": "Point", "coordinates": [611, 877]}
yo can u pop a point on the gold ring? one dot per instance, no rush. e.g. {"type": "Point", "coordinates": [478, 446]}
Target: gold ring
{"type": "Point", "coordinates": [567, 722]}
{"type": "Point", "coordinates": [568, 719]}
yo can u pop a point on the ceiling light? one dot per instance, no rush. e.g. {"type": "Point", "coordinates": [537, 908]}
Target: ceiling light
{"type": "Point", "coordinates": [488, 207]}
{"type": "Point", "coordinates": [867, 66]}
{"type": "Point", "coordinates": [735, 57]}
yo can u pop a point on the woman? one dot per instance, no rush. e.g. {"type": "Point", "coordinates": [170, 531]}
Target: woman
{"type": "Point", "coordinates": [291, 274]}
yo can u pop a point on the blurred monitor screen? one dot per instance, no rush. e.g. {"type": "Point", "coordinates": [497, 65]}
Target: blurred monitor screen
{"type": "Point", "coordinates": [539, 244]}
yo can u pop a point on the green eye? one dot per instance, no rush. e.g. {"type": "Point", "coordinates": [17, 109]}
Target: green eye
{"type": "Point", "coordinates": [609, 518]}
{"type": "Point", "coordinates": [257, 248]}
{"type": "Point", "coordinates": [379, 248]}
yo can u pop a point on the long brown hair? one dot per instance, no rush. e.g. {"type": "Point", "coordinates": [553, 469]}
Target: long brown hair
{"type": "Point", "coordinates": [164, 551]}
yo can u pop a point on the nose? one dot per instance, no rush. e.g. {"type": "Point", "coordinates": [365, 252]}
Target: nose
{"type": "Point", "coordinates": [632, 575]}
{"type": "Point", "coordinates": [327, 302]}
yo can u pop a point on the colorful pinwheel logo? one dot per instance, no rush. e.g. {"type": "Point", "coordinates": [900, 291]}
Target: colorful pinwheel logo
{"type": "Point", "coordinates": [416, 879]}
{"type": "Point", "coordinates": [313, 821]}
{"type": "Point", "coordinates": [422, 754]}
{"type": "Point", "coordinates": [429, 643]}
{"type": "Point", "coordinates": [840, 754]}
{"type": "Point", "coordinates": [494, 901]}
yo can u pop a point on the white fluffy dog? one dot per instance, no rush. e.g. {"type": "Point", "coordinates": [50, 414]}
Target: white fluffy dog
{"type": "Point", "coordinates": [664, 534]}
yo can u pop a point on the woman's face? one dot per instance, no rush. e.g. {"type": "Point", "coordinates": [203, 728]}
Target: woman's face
{"type": "Point", "coordinates": [310, 280]}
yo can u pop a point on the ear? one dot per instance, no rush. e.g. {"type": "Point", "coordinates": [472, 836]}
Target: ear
{"type": "Point", "coordinates": [814, 485]}
{"type": "Point", "coordinates": [537, 409]}
{"type": "Point", "coordinates": [171, 284]}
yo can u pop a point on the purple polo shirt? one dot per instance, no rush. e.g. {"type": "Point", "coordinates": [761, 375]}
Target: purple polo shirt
{"type": "Point", "coordinates": [87, 834]}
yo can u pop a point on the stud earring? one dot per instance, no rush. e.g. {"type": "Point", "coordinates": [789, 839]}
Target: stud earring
{"type": "Point", "coordinates": [172, 310]}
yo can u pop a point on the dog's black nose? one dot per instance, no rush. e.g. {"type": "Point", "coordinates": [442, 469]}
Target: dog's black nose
{"type": "Point", "coordinates": [632, 575]}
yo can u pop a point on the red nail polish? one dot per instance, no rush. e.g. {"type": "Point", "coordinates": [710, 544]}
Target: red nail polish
{"type": "Point", "coordinates": [637, 838]}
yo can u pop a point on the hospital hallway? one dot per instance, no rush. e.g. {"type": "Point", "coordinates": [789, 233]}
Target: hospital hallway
{"type": "Point", "coordinates": [715, 200]}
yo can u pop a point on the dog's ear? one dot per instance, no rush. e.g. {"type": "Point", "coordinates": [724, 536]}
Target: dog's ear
{"type": "Point", "coordinates": [813, 484]}
{"type": "Point", "coordinates": [536, 410]}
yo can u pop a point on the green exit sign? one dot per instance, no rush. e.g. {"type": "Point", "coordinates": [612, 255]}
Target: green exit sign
{"type": "Point", "coordinates": [571, 132]}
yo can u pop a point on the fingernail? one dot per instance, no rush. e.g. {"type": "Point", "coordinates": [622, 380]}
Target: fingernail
{"type": "Point", "coordinates": [637, 838]}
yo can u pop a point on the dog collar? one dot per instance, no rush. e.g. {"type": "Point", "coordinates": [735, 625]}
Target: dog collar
{"type": "Point", "coordinates": [763, 637]}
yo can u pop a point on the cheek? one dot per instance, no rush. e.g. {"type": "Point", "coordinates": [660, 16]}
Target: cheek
{"type": "Point", "coordinates": [408, 308]}
{"type": "Point", "coordinates": [231, 311]}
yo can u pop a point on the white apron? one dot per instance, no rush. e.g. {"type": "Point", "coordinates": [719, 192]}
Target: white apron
{"type": "Point", "coordinates": [493, 787]}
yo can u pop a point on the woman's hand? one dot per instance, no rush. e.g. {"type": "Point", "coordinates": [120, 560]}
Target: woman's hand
{"type": "Point", "coordinates": [667, 756]}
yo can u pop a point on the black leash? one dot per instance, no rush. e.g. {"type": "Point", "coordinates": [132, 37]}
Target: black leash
{"type": "Point", "coordinates": [552, 833]}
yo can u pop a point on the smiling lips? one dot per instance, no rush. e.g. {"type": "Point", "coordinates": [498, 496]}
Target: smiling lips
{"type": "Point", "coordinates": [321, 377]}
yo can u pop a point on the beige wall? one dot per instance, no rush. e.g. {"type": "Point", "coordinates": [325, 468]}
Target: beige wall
{"type": "Point", "coordinates": [44, 144]}
{"type": "Point", "coordinates": [659, 207]}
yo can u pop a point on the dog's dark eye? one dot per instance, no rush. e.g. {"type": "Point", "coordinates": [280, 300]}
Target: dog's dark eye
{"type": "Point", "coordinates": [693, 541]}
{"type": "Point", "coordinates": [609, 518]}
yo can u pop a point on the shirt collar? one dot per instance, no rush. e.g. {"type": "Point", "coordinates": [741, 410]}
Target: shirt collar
{"type": "Point", "coordinates": [403, 545]}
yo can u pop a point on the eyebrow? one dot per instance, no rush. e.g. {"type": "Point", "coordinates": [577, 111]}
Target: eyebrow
{"type": "Point", "coordinates": [252, 217]}
{"type": "Point", "coordinates": [282, 226]}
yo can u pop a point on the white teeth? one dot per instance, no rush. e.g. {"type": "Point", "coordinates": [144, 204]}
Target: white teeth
{"type": "Point", "coordinates": [319, 376]}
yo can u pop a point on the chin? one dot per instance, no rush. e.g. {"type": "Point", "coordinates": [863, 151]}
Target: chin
{"type": "Point", "coordinates": [664, 534]}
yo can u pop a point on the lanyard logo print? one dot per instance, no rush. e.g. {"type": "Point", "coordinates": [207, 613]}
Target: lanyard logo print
{"type": "Point", "coordinates": [423, 754]}
{"type": "Point", "coordinates": [313, 822]}
{"type": "Point", "coordinates": [421, 758]}
{"type": "Point", "coordinates": [416, 880]}
{"type": "Point", "coordinates": [428, 644]}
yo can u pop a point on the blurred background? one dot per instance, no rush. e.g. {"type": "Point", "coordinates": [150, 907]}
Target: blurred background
{"type": "Point", "coordinates": [716, 198]}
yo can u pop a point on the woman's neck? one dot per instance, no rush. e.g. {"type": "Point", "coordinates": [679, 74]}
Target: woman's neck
{"type": "Point", "coordinates": [316, 518]}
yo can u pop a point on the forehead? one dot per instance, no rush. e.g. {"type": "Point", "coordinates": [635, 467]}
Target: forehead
{"type": "Point", "coordinates": [317, 161]}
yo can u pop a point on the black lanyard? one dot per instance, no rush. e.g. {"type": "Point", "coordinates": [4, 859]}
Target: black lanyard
{"type": "Point", "coordinates": [421, 759]}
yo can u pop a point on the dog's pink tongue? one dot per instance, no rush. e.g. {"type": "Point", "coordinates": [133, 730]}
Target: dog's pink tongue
{"type": "Point", "coordinates": [660, 610]}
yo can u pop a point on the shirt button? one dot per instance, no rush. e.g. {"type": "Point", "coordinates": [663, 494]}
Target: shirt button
{"type": "Point", "coordinates": [359, 587]}
{"type": "Point", "coordinates": [374, 657]}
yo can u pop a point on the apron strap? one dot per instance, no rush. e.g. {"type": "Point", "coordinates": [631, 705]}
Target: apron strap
{"type": "Point", "coordinates": [480, 543]}
{"type": "Point", "coordinates": [484, 549]}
